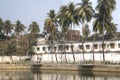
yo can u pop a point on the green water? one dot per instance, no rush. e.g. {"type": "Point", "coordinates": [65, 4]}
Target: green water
{"type": "Point", "coordinates": [57, 75]}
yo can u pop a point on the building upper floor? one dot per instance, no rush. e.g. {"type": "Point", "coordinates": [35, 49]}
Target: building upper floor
{"type": "Point", "coordinates": [97, 46]}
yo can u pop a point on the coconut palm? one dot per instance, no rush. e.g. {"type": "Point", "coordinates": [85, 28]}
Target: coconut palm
{"type": "Point", "coordinates": [86, 31]}
{"type": "Point", "coordinates": [63, 22]}
{"type": "Point", "coordinates": [1, 26]}
{"type": "Point", "coordinates": [71, 15]}
{"type": "Point", "coordinates": [34, 31]}
{"type": "Point", "coordinates": [104, 18]}
{"type": "Point", "coordinates": [112, 32]}
{"type": "Point", "coordinates": [105, 8]}
{"type": "Point", "coordinates": [51, 28]}
{"type": "Point", "coordinates": [19, 27]}
{"type": "Point", "coordinates": [1, 29]}
{"type": "Point", "coordinates": [34, 28]}
{"type": "Point", "coordinates": [94, 35]}
{"type": "Point", "coordinates": [73, 20]}
{"type": "Point", "coordinates": [7, 27]}
{"type": "Point", "coordinates": [85, 13]}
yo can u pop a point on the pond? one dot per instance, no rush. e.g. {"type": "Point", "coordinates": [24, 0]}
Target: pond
{"type": "Point", "coordinates": [57, 75]}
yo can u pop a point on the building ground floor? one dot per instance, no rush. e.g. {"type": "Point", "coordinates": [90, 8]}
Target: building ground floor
{"type": "Point", "coordinates": [62, 58]}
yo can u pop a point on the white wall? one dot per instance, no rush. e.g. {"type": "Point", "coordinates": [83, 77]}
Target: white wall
{"type": "Point", "coordinates": [49, 58]}
{"type": "Point", "coordinates": [112, 57]}
{"type": "Point", "coordinates": [4, 59]}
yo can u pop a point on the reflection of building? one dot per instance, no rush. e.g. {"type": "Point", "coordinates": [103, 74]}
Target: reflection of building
{"type": "Point", "coordinates": [16, 75]}
{"type": "Point", "coordinates": [73, 35]}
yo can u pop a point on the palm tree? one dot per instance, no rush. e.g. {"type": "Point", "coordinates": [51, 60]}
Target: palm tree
{"type": "Point", "coordinates": [34, 31]}
{"type": "Point", "coordinates": [1, 29]}
{"type": "Point", "coordinates": [105, 8]}
{"type": "Point", "coordinates": [73, 20]}
{"type": "Point", "coordinates": [63, 22]}
{"type": "Point", "coordinates": [85, 13]}
{"type": "Point", "coordinates": [34, 28]}
{"type": "Point", "coordinates": [112, 32]}
{"type": "Point", "coordinates": [1, 26]}
{"type": "Point", "coordinates": [7, 27]}
{"type": "Point", "coordinates": [51, 28]}
{"type": "Point", "coordinates": [104, 18]}
{"type": "Point", "coordinates": [19, 27]}
{"type": "Point", "coordinates": [86, 31]}
{"type": "Point", "coordinates": [71, 15]}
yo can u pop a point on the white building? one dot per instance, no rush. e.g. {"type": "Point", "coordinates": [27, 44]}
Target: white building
{"type": "Point", "coordinates": [111, 49]}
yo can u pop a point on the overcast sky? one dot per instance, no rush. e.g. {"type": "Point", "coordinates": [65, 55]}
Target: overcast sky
{"type": "Point", "coordinates": [35, 10]}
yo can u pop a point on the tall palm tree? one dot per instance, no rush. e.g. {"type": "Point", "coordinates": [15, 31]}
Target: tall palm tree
{"type": "Point", "coordinates": [1, 26]}
{"type": "Point", "coordinates": [34, 28]}
{"type": "Point", "coordinates": [72, 16]}
{"type": "Point", "coordinates": [85, 13]}
{"type": "Point", "coordinates": [51, 28]}
{"type": "Point", "coordinates": [1, 29]}
{"type": "Point", "coordinates": [73, 20]}
{"type": "Point", "coordinates": [19, 27]}
{"type": "Point", "coordinates": [34, 31]}
{"type": "Point", "coordinates": [63, 22]}
{"type": "Point", "coordinates": [105, 8]}
{"type": "Point", "coordinates": [112, 32]}
{"type": "Point", "coordinates": [104, 18]}
{"type": "Point", "coordinates": [7, 27]}
{"type": "Point", "coordinates": [86, 31]}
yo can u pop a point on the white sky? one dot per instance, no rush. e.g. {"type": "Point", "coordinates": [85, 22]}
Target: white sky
{"type": "Point", "coordinates": [35, 10]}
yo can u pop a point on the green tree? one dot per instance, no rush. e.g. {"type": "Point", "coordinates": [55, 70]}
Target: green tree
{"type": "Point", "coordinates": [104, 18]}
{"type": "Point", "coordinates": [1, 26]}
{"type": "Point", "coordinates": [34, 31]}
{"type": "Point", "coordinates": [11, 48]}
{"type": "Point", "coordinates": [85, 13]}
{"type": "Point", "coordinates": [71, 15]}
{"type": "Point", "coordinates": [112, 33]}
{"type": "Point", "coordinates": [86, 31]}
{"type": "Point", "coordinates": [73, 20]}
{"type": "Point", "coordinates": [51, 28]}
{"type": "Point", "coordinates": [34, 28]}
{"type": "Point", "coordinates": [7, 27]}
{"type": "Point", "coordinates": [63, 22]}
{"type": "Point", "coordinates": [19, 27]}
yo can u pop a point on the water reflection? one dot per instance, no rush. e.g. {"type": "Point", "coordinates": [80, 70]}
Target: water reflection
{"type": "Point", "coordinates": [56, 75]}
{"type": "Point", "coordinates": [15, 75]}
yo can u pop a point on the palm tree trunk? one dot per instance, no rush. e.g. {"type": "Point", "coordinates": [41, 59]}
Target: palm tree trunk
{"type": "Point", "coordinates": [103, 39]}
{"type": "Point", "coordinates": [51, 52]}
{"type": "Point", "coordinates": [83, 43]}
{"type": "Point", "coordinates": [65, 51]}
{"type": "Point", "coordinates": [93, 49]}
{"type": "Point", "coordinates": [73, 52]}
{"type": "Point", "coordinates": [83, 50]}
{"type": "Point", "coordinates": [103, 47]}
{"type": "Point", "coordinates": [55, 55]}
{"type": "Point", "coordinates": [6, 37]}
